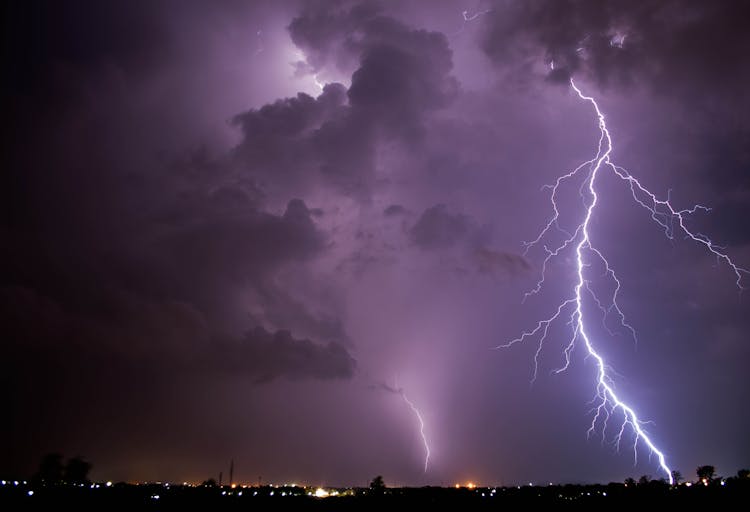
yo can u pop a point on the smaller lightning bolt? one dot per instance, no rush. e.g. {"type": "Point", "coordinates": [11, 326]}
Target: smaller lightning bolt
{"type": "Point", "coordinates": [468, 17]}
{"type": "Point", "coordinates": [421, 427]}
{"type": "Point", "coordinates": [395, 389]}
{"type": "Point", "coordinates": [472, 17]}
{"type": "Point", "coordinates": [317, 81]}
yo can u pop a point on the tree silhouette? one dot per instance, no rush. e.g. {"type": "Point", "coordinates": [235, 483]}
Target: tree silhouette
{"type": "Point", "coordinates": [743, 473]}
{"type": "Point", "coordinates": [377, 486]}
{"type": "Point", "coordinates": [50, 469]}
{"type": "Point", "coordinates": [644, 480]}
{"type": "Point", "coordinates": [629, 482]}
{"type": "Point", "coordinates": [77, 471]}
{"type": "Point", "coordinates": [706, 474]}
{"type": "Point", "coordinates": [677, 477]}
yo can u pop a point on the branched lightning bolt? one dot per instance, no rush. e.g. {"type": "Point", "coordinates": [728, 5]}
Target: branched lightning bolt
{"type": "Point", "coordinates": [606, 401]}
{"type": "Point", "coordinates": [421, 427]}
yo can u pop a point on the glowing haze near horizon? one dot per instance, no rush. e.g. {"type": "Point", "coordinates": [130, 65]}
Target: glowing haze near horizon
{"type": "Point", "coordinates": [227, 227]}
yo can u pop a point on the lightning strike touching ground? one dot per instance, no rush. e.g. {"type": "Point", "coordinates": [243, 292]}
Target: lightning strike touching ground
{"type": "Point", "coordinates": [421, 428]}
{"type": "Point", "coordinates": [606, 401]}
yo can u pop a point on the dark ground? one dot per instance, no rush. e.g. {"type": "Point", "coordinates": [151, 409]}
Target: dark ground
{"type": "Point", "coordinates": [560, 497]}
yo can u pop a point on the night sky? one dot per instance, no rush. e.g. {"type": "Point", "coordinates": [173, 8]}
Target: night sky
{"type": "Point", "coordinates": [241, 229]}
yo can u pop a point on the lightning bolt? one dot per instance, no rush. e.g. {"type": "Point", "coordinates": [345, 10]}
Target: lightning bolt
{"type": "Point", "coordinates": [468, 17]}
{"type": "Point", "coordinates": [670, 219]}
{"type": "Point", "coordinates": [421, 427]}
{"type": "Point", "coordinates": [472, 17]}
{"type": "Point", "coordinates": [317, 81]}
{"type": "Point", "coordinates": [395, 389]}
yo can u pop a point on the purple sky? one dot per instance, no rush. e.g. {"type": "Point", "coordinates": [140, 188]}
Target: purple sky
{"type": "Point", "coordinates": [206, 256]}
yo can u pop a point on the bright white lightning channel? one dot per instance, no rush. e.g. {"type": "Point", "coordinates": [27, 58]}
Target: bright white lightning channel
{"type": "Point", "coordinates": [606, 401]}
{"type": "Point", "coordinates": [421, 428]}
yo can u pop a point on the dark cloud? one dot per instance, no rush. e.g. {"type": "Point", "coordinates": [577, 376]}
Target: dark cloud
{"type": "Point", "coordinates": [267, 356]}
{"type": "Point", "coordinates": [491, 261]}
{"type": "Point", "coordinates": [400, 76]}
{"type": "Point", "coordinates": [189, 276]}
{"type": "Point", "coordinates": [681, 46]}
{"type": "Point", "coordinates": [331, 32]}
{"type": "Point", "coordinates": [169, 337]}
{"type": "Point", "coordinates": [438, 228]}
{"type": "Point", "coordinates": [295, 140]}
{"type": "Point", "coordinates": [394, 210]}
{"type": "Point", "coordinates": [402, 69]}
{"type": "Point", "coordinates": [382, 386]}
{"type": "Point", "coordinates": [246, 246]}
{"type": "Point", "coordinates": [279, 307]}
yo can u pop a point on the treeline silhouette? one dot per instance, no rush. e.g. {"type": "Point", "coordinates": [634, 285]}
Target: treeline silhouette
{"type": "Point", "coordinates": [58, 483]}
{"type": "Point", "coordinates": [52, 471]}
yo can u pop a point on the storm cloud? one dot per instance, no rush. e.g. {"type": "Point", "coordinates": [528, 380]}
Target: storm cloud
{"type": "Point", "coordinates": [223, 223]}
{"type": "Point", "coordinates": [667, 45]}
